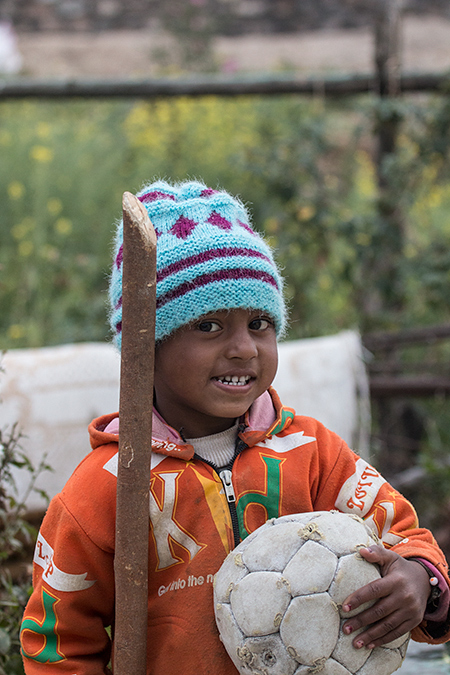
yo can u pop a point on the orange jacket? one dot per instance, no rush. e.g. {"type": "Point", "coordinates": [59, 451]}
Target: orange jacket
{"type": "Point", "coordinates": [292, 464]}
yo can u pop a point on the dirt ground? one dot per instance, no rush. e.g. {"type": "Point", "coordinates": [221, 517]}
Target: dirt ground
{"type": "Point", "coordinates": [426, 48]}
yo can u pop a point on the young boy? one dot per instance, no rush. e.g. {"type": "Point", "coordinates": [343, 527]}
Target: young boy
{"type": "Point", "coordinates": [227, 455]}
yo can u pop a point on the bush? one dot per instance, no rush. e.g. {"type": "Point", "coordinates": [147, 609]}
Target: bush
{"type": "Point", "coordinates": [16, 538]}
{"type": "Point", "coordinates": [65, 168]}
{"type": "Point", "coordinates": [305, 168]}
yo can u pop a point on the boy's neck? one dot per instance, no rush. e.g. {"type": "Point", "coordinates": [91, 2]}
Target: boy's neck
{"type": "Point", "coordinates": [216, 448]}
{"type": "Point", "coordinates": [193, 428]}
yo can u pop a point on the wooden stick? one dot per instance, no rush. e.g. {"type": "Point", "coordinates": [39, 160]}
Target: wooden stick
{"type": "Point", "coordinates": [136, 402]}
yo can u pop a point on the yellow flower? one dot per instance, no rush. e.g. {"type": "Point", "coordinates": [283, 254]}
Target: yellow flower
{"type": "Point", "coordinates": [40, 153]}
{"type": "Point", "coordinates": [324, 282]}
{"type": "Point", "coordinates": [16, 331]}
{"type": "Point", "coordinates": [43, 130]}
{"type": "Point", "coordinates": [16, 189]}
{"type": "Point", "coordinates": [363, 238]}
{"type": "Point", "coordinates": [139, 116]}
{"type": "Point", "coordinates": [435, 197]}
{"type": "Point", "coordinates": [26, 248]}
{"type": "Point", "coordinates": [365, 177]}
{"type": "Point", "coordinates": [410, 251]}
{"type": "Point", "coordinates": [20, 230]}
{"type": "Point", "coordinates": [63, 226]}
{"type": "Point", "coordinates": [271, 225]}
{"type": "Point", "coordinates": [54, 206]}
{"type": "Point", "coordinates": [306, 212]}
{"type": "Point", "coordinates": [430, 172]}
{"type": "Point", "coordinates": [5, 137]}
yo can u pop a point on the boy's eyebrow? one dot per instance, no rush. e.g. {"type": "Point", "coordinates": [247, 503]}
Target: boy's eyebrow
{"type": "Point", "coordinates": [206, 256]}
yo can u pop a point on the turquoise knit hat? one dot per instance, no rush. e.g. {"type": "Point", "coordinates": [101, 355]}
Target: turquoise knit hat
{"type": "Point", "coordinates": [208, 259]}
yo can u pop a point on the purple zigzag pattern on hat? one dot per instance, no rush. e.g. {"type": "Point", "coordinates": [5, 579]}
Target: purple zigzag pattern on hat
{"type": "Point", "coordinates": [206, 256]}
{"type": "Point", "coordinates": [246, 227]}
{"type": "Point", "coordinates": [183, 227]}
{"type": "Point", "coordinates": [219, 221]}
{"type": "Point", "coordinates": [119, 257]}
{"type": "Point", "coordinates": [208, 192]}
{"type": "Point", "coordinates": [154, 195]}
{"type": "Point", "coordinates": [237, 274]}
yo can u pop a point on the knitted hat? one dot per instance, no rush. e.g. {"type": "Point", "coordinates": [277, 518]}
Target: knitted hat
{"type": "Point", "coordinates": [208, 259]}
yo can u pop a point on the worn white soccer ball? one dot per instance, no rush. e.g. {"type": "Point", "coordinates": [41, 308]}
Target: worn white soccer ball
{"type": "Point", "coordinates": [278, 599]}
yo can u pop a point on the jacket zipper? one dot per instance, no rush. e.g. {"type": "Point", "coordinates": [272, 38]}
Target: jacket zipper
{"type": "Point", "coordinates": [225, 475]}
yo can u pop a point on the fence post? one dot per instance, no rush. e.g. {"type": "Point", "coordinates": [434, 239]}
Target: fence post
{"type": "Point", "coordinates": [384, 291]}
{"type": "Point", "coordinates": [388, 46]}
{"type": "Point", "coordinates": [385, 287]}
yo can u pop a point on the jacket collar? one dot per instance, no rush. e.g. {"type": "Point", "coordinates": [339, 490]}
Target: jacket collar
{"type": "Point", "coordinates": [266, 417]}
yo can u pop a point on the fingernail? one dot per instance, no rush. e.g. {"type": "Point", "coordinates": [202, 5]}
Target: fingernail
{"type": "Point", "coordinates": [371, 646]}
{"type": "Point", "coordinates": [346, 608]}
{"type": "Point", "coordinates": [359, 644]}
{"type": "Point", "coordinates": [348, 630]}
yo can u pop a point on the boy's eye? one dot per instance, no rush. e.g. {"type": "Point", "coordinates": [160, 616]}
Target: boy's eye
{"type": "Point", "coordinates": [260, 324]}
{"type": "Point", "coordinates": [208, 326]}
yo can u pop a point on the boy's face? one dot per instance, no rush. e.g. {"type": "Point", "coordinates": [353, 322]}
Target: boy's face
{"type": "Point", "coordinates": [209, 373]}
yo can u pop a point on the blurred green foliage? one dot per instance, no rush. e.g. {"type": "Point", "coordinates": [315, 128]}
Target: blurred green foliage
{"type": "Point", "coordinates": [304, 166]}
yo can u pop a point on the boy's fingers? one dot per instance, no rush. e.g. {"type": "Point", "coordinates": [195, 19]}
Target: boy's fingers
{"type": "Point", "coordinates": [376, 589]}
{"type": "Point", "coordinates": [382, 633]}
{"type": "Point", "coordinates": [378, 614]}
{"type": "Point", "coordinates": [382, 624]}
{"type": "Point", "coordinates": [373, 591]}
{"type": "Point", "coordinates": [398, 601]}
{"type": "Point", "coordinates": [379, 555]}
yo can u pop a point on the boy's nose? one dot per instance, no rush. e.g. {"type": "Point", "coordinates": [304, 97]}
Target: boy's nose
{"type": "Point", "coordinates": [241, 345]}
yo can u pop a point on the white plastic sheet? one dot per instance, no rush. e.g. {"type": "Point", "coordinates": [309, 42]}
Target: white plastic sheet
{"type": "Point", "coordinates": [53, 393]}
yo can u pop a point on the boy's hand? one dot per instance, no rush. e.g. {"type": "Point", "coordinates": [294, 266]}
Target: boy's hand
{"type": "Point", "coordinates": [400, 596]}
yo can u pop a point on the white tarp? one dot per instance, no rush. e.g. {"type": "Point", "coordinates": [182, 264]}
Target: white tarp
{"type": "Point", "coordinates": [53, 393]}
{"type": "Point", "coordinates": [326, 378]}
{"type": "Point", "coordinates": [10, 57]}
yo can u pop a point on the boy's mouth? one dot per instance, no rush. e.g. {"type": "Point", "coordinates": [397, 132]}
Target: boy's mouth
{"type": "Point", "coordinates": [234, 380]}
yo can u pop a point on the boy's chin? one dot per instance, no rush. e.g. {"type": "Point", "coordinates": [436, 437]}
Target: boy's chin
{"type": "Point", "coordinates": [236, 408]}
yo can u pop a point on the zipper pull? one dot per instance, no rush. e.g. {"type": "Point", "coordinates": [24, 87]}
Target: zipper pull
{"type": "Point", "coordinates": [225, 477]}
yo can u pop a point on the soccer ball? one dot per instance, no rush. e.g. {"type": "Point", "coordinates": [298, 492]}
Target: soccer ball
{"type": "Point", "coordinates": [278, 598]}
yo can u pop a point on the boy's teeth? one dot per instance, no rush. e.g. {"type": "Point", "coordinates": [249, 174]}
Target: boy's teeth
{"type": "Point", "coordinates": [235, 380]}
